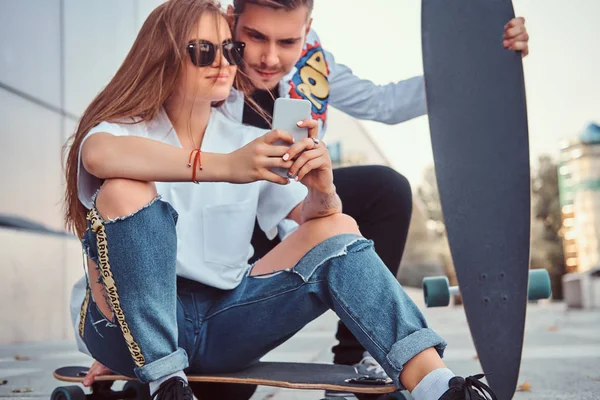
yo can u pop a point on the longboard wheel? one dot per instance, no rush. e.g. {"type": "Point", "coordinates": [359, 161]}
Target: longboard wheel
{"type": "Point", "coordinates": [136, 390]}
{"type": "Point", "coordinates": [539, 285]}
{"type": "Point", "coordinates": [68, 393]}
{"type": "Point", "coordinates": [436, 291]}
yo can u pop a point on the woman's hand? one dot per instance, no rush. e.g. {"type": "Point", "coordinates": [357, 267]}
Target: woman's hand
{"type": "Point", "coordinates": [254, 161]}
{"type": "Point", "coordinates": [312, 164]}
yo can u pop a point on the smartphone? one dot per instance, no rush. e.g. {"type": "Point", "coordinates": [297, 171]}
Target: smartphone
{"type": "Point", "coordinates": [286, 114]}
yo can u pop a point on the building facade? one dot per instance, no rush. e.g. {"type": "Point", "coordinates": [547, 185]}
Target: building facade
{"type": "Point", "coordinates": [349, 143]}
{"type": "Point", "coordinates": [579, 186]}
{"type": "Point", "coordinates": [55, 56]}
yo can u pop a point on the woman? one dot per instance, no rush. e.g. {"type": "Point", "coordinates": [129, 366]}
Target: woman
{"type": "Point", "coordinates": [169, 285]}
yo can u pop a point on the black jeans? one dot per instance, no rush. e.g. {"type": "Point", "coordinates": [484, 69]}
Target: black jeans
{"type": "Point", "coordinates": [380, 200]}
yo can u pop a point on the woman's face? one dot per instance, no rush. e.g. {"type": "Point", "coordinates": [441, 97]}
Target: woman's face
{"type": "Point", "coordinates": [212, 82]}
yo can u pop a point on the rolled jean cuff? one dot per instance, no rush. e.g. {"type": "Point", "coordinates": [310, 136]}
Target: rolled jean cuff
{"type": "Point", "coordinates": [405, 349]}
{"type": "Point", "coordinates": [174, 362]}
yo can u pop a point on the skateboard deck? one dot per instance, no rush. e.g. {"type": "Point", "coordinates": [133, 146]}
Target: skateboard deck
{"type": "Point", "coordinates": [479, 135]}
{"type": "Point", "coordinates": [278, 374]}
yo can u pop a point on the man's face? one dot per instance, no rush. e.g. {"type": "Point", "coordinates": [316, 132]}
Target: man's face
{"type": "Point", "coordinates": [274, 40]}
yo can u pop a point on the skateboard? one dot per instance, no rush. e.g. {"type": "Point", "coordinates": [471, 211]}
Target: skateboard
{"type": "Point", "coordinates": [479, 135]}
{"type": "Point", "coordinates": [279, 374]}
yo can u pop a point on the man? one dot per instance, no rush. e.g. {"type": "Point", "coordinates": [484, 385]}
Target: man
{"type": "Point", "coordinates": [284, 58]}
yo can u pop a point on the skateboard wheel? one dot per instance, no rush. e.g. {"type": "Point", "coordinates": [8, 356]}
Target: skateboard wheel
{"type": "Point", "coordinates": [136, 390]}
{"type": "Point", "coordinates": [387, 396]}
{"type": "Point", "coordinates": [539, 285]}
{"type": "Point", "coordinates": [436, 291]}
{"type": "Point", "coordinates": [68, 393]}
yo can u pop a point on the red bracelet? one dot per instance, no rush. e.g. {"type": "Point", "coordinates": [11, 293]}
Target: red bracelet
{"type": "Point", "coordinates": [195, 164]}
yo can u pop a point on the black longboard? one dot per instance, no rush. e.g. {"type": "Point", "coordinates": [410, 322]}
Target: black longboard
{"type": "Point", "coordinates": [479, 134]}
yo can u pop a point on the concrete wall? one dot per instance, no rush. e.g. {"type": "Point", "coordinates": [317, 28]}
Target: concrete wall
{"type": "Point", "coordinates": [38, 271]}
{"type": "Point", "coordinates": [55, 55]}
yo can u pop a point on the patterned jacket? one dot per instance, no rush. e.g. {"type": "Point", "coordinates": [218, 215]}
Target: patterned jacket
{"type": "Point", "coordinates": [319, 79]}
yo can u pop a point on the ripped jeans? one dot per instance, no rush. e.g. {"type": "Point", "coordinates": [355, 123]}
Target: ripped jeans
{"type": "Point", "coordinates": [163, 323]}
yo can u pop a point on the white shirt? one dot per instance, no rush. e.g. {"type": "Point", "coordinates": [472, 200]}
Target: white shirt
{"type": "Point", "coordinates": [216, 219]}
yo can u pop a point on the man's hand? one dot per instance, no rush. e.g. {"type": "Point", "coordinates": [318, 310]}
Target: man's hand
{"type": "Point", "coordinates": [516, 37]}
{"type": "Point", "coordinates": [96, 369]}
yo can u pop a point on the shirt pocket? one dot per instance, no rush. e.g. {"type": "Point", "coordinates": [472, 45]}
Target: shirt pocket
{"type": "Point", "coordinates": [227, 232]}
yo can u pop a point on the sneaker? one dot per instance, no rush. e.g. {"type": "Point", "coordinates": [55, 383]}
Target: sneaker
{"type": "Point", "coordinates": [469, 388]}
{"type": "Point", "coordinates": [175, 388]}
{"type": "Point", "coordinates": [368, 366]}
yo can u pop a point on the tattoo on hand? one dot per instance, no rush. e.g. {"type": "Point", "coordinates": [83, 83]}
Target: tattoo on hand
{"type": "Point", "coordinates": [329, 201]}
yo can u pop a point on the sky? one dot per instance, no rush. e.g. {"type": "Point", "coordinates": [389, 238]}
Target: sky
{"type": "Point", "coordinates": [562, 72]}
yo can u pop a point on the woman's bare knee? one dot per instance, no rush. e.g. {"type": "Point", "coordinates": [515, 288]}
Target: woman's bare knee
{"type": "Point", "coordinates": [336, 224]}
{"type": "Point", "coordinates": [122, 197]}
{"type": "Point", "coordinates": [287, 253]}
{"type": "Point", "coordinates": [343, 222]}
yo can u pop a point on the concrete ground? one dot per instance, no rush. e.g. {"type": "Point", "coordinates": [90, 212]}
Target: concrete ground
{"type": "Point", "coordinates": [561, 356]}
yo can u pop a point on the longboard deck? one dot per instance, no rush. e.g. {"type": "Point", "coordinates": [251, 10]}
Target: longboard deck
{"type": "Point", "coordinates": [277, 374]}
{"type": "Point", "coordinates": [478, 123]}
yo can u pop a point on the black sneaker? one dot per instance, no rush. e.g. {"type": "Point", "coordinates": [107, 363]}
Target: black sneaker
{"type": "Point", "coordinates": [175, 388]}
{"type": "Point", "coordinates": [468, 389]}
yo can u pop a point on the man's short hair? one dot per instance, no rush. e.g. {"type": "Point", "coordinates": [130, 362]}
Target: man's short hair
{"type": "Point", "coordinates": [238, 5]}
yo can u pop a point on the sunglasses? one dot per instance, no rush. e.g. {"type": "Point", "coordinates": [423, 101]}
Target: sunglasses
{"type": "Point", "coordinates": [203, 53]}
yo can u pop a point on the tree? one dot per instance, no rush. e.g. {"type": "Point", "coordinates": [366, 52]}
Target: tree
{"type": "Point", "coordinates": [546, 243]}
{"type": "Point", "coordinates": [547, 248]}
{"type": "Point", "coordinates": [429, 195]}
